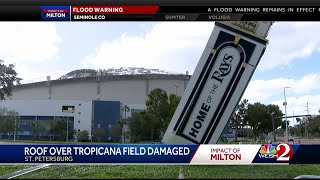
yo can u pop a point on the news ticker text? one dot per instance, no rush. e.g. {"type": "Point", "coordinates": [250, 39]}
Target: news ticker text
{"type": "Point", "coordinates": [203, 154]}
{"type": "Point", "coordinates": [157, 13]}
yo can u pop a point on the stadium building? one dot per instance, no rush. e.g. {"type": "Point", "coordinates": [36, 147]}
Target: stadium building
{"type": "Point", "coordinates": [91, 99]}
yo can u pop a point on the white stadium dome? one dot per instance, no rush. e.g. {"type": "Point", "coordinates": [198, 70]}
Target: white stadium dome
{"type": "Point", "coordinates": [96, 96]}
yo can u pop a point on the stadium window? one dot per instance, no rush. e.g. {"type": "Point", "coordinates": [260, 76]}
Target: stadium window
{"type": "Point", "coordinates": [79, 121]}
{"type": "Point", "coordinates": [68, 109]}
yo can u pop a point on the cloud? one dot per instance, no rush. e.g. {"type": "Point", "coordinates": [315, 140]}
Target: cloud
{"type": "Point", "coordinates": [30, 76]}
{"type": "Point", "coordinates": [266, 90]}
{"type": "Point", "coordinates": [28, 42]}
{"type": "Point", "coordinates": [289, 42]}
{"type": "Point", "coordinates": [178, 46]}
{"type": "Point", "coordinates": [298, 105]}
{"type": "Point", "coordinates": [302, 91]}
{"type": "Point", "coordinates": [171, 46]}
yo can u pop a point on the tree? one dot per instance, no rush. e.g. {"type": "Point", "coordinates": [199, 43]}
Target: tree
{"type": "Point", "coordinates": [59, 129]}
{"type": "Point", "coordinates": [160, 109]}
{"type": "Point", "coordinates": [173, 102]}
{"type": "Point", "coordinates": [155, 119]}
{"type": "Point", "coordinates": [125, 109]}
{"type": "Point", "coordinates": [123, 122]}
{"type": "Point", "coordinates": [116, 131]}
{"type": "Point", "coordinates": [299, 121]}
{"type": "Point", "coordinates": [42, 129]}
{"type": "Point", "coordinates": [99, 133]}
{"type": "Point", "coordinates": [149, 122]}
{"type": "Point", "coordinates": [275, 115]}
{"type": "Point", "coordinates": [263, 118]}
{"type": "Point", "coordinates": [8, 79]}
{"type": "Point", "coordinates": [51, 129]}
{"type": "Point", "coordinates": [256, 116]}
{"type": "Point", "coordinates": [34, 129]}
{"type": "Point", "coordinates": [313, 127]}
{"type": "Point", "coordinates": [157, 104]}
{"type": "Point", "coordinates": [237, 120]}
{"type": "Point", "coordinates": [283, 124]}
{"type": "Point", "coordinates": [83, 136]}
{"type": "Point", "coordinates": [135, 126]}
{"type": "Point", "coordinates": [9, 122]}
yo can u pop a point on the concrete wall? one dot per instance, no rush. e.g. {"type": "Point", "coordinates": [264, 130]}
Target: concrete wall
{"type": "Point", "coordinates": [126, 89]}
{"type": "Point", "coordinates": [82, 114]}
{"type": "Point", "coordinates": [74, 91]}
{"type": "Point", "coordinates": [31, 93]}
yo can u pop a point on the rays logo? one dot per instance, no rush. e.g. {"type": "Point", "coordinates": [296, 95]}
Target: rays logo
{"type": "Point", "coordinates": [267, 151]}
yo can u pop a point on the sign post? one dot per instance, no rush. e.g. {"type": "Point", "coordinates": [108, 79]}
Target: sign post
{"type": "Point", "coordinates": [224, 70]}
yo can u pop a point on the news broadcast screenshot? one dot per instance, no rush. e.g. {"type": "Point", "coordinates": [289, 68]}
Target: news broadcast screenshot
{"type": "Point", "coordinates": [159, 89]}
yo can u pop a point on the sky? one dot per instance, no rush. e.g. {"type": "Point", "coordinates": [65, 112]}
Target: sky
{"type": "Point", "coordinates": [41, 49]}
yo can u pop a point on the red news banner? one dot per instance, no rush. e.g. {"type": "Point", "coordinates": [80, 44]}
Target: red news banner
{"type": "Point", "coordinates": [171, 13]}
{"type": "Point", "coordinates": [105, 12]}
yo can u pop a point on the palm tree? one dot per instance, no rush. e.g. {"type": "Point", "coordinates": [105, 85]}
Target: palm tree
{"type": "Point", "coordinates": [126, 109]}
{"type": "Point", "coordinates": [123, 122]}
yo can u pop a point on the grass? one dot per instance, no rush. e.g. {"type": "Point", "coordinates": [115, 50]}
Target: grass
{"type": "Point", "coordinates": [7, 169]}
{"type": "Point", "coordinates": [172, 172]}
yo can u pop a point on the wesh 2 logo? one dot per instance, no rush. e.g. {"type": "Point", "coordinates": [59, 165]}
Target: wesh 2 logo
{"type": "Point", "coordinates": [282, 152]}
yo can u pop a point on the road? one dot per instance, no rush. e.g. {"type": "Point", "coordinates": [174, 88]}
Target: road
{"type": "Point", "coordinates": [298, 140]}
{"type": "Point", "coordinates": [24, 171]}
{"type": "Point", "coordinates": [1, 142]}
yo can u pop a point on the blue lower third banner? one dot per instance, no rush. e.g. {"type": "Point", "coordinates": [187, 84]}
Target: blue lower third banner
{"type": "Point", "coordinates": [213, 154]}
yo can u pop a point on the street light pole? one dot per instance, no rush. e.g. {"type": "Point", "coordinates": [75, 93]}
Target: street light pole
{"type": "Point", "coordinates": [69, 110]}
{"type": "Point", "coordinates": [67, 126]}
{"type": "Point", "coordinates": [273, 127]}
{"type": "Point", "coordinates": [293, 120]}
{"type": "Point", "coordinates": [307, 121]}
{"type": "Point", "coordinates": [15, 128]}
{"type": "Point", "coordinates": [285, 107]}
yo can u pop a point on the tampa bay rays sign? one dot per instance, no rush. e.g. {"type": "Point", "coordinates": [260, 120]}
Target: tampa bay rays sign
{"type": "Point", "coordinates": [224, 70]}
